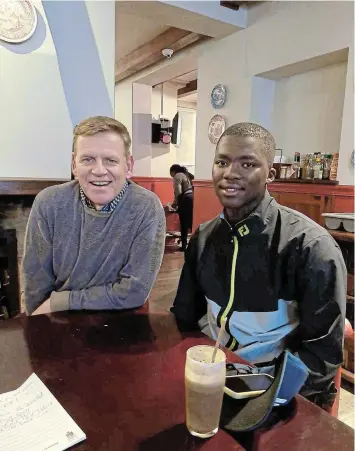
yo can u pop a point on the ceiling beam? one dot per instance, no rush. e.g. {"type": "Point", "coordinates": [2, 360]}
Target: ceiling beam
{"type": "Point", "coordinates": [232, 5]}
{"type": "Point", "coordinates": [150, 53]}
{"type": "Point", "coordinates": [188, 89]}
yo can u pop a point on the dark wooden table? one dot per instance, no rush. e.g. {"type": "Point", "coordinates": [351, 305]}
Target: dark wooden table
{"type": "Point", "coordinates": [121, 377]}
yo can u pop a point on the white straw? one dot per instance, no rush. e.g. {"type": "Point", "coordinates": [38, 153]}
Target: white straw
{"type": "Point", "coordinates": [216, 346]}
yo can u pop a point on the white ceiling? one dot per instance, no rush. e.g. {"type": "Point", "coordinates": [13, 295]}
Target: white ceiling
{"type": "Point", "coordinates": [134, 31]}
{"type": "Point", "coordinates": [165, 14]}
{"type": "Point", "coordinates": [170, 69]}
{"type": "Point", "coordinates": [186, 78]}
{"type": "Point", "coordinates": [138, 22]}
{"type": "Point", "coordinates": [190, 98]}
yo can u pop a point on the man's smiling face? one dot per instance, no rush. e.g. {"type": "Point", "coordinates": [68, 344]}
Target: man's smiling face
{"type": "Point", "coordinates": [101, 166]}
{"type": "Point", "coordinates": [240, 171]}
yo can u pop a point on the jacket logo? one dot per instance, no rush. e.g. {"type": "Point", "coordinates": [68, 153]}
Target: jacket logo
{"type": "Point", "coordinates": [243, 230]}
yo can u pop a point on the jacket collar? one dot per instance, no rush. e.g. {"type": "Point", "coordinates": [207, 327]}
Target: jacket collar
{"type": "Point", "coordinates": [256, 221]}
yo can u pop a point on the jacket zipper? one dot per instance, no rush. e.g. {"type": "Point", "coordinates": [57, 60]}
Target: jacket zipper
{"type": "Point", "coordinates": [231, 295]}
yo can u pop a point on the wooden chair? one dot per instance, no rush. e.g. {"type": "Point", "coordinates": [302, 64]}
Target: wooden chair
{"type": "Point", "coordinates": [348, 347]}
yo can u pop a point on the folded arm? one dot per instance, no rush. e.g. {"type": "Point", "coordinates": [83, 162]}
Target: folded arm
{"type": "Point", "coordinates": [37, 264]}
{"type": "Point", "coordinates": [190, 303]}
{"type": "Point", "coordinates": [322, 307]}
{"type": "Point", "coordinates": [135, 279]}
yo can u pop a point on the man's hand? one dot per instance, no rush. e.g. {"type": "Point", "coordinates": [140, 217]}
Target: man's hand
{"type": "Point", "coordinates": [43, 308]}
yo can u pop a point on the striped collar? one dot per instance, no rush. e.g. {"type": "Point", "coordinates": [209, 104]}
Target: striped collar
{"type": "Point", "coordinates": [107, 208]}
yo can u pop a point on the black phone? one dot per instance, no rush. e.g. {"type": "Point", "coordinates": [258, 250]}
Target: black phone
{"type": "Point", "coordinates": [248, 382]}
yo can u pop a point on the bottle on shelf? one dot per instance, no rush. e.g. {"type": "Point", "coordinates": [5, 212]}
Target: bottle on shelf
{"type": "Point", "coordinates": [334, 167]}
{"type": "Point", "coordinates": [318, 168]}
{"type": "Point", "coordinates": [309, 168]}
{"type": "Point", "coordinates": [326, 166]}
{"type": "Point", "coordinates": [303, 165]}
{"type": "Point", "coordinates": [296, 166]}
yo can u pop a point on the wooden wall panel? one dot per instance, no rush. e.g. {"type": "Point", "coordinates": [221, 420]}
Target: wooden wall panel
{"type": "Point", "coordinates": [343, 204]}
{"type": "Point", "coordinates": [206, 203]}
{"type": "Point", "coordinates": [161, 186]}
{"type": "Point", "coordinates": [145, 182]}
{"type": "Point", "coordinates": [310, 199]}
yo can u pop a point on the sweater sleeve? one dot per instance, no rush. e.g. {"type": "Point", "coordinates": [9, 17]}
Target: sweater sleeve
{"type": "Point", "coordinates": [37, 267]}
{"type": "Point", "coordinates": [135, 279]}
{"type": "Point", "coordinates": [322, 304]}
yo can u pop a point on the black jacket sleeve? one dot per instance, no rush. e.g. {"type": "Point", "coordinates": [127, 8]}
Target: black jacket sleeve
{"type": "Point", "coordinates": [190, 304]}
{"type": "Point", "coordinates": [322, 304]}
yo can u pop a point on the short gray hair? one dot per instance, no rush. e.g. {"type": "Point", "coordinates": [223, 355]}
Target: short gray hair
{"type": "Point", "coordinates": [250, 130]}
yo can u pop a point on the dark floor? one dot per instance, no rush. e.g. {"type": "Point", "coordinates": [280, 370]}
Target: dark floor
{"type": "Point", "coordinates": [162, 297]}
{"type": "Point", "coordinates": [163, 293]}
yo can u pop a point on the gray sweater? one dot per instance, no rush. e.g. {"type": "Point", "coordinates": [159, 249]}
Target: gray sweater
{"type": "Point", "coordinates": [86, 259]}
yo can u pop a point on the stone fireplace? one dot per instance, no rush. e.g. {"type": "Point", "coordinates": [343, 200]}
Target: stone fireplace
{"type": "Point", "coordinates": [16, 199]}
{"type": "Point", "coordinates": [14, 213]}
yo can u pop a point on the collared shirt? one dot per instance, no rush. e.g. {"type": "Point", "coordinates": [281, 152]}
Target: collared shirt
{"type": "Point", "coordinates": [110, 206]}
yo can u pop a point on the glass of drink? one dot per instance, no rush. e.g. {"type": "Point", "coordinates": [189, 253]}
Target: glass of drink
{"type": "Point", "coordinates": [204, 384]}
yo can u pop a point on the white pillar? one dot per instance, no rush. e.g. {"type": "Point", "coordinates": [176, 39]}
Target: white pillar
{"type": "Point", "coordinates": [61, 75]}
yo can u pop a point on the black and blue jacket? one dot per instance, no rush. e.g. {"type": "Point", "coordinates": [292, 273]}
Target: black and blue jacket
{"type": "Point", "coordinates": [278, 279]}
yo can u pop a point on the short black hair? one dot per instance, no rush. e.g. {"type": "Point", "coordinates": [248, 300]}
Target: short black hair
{"type": "Point", "coordinates": [250, 130]}
{"type": "Point", "coordinates": [177, 168]}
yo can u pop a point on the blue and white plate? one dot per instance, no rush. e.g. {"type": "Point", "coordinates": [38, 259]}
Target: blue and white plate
{"type": "Point", "coordinates": [218, 96]}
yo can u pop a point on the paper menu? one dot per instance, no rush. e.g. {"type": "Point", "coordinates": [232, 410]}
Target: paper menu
{"type": "Point", "coordinates": [31, 419]}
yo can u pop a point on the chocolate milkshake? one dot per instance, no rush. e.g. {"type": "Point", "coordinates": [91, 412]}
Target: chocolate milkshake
{"type": "Point", "coordinates": [204, 383]}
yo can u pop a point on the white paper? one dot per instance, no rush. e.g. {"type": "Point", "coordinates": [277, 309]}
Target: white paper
{"type": "Point", "coordinates": [31, 419]}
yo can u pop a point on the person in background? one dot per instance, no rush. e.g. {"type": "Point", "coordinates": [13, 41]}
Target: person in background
{"type": "Point", "coordinates": [272, 275]}
{"type": "Point", "coordinates": [96, 242]}
{"type": "Point", "coordinates": [183, 200]}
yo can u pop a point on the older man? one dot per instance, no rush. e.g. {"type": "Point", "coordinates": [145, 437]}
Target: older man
{"type": "Point", "coordinates": [274, 276]}
{"type": "Point", "coordinates": [96, 242]}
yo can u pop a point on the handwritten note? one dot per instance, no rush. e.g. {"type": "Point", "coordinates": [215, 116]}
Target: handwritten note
{"type": "Point", "coordinates": [31, 419]}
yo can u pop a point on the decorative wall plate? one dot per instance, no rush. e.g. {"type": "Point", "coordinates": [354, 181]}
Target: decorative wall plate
{"type": "Point", "coordinates": [218, 96]}
{"type": "Point", "coordinates": [216, 127]}
{"type": "Point", "coordinates": [18, 20]}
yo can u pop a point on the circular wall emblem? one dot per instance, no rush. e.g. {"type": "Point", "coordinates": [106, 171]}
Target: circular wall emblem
{"type": "Point", "coordinates": [216, 127]}
{"type": "Point", "coordinates": [18, 20]}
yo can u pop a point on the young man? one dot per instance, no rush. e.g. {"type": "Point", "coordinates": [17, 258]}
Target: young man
{"type": "Point", "coordinates": [274, 275]}
{"type": "Point", "coordinates": [96, 242]}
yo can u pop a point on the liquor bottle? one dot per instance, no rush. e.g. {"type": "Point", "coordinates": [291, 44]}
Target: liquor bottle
{"type": "Point", "coordinates": [309, 168]}
{"type": "Point", "coordinates": [296, 166]}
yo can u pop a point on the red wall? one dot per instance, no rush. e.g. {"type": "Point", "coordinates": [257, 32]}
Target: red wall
{"type": "Point", "coordinates": [337, 198]}
{"type": "Point", "coordinates": [163, 188]}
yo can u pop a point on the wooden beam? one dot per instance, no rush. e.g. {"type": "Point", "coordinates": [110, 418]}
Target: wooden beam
{"type": "Point", "coordinates": [150, 53]}
{"type": "Point", "coordinates": [23, 187]}
{"type": "Point", "coordinates": [231, 5]}
{"type": "Point", "coordinates": [190, 87]}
